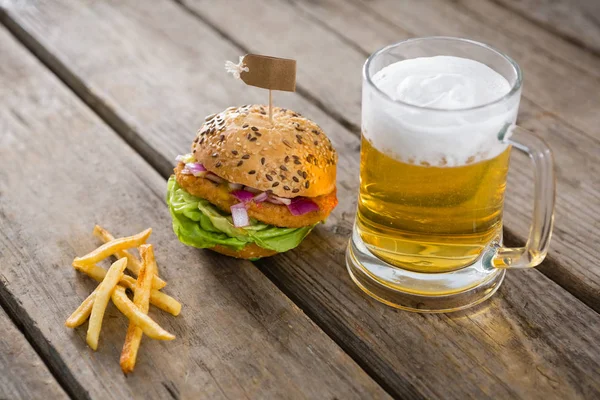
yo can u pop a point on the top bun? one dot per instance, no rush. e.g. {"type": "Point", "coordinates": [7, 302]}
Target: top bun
{"type": "Point", "coordinates": [291, 157]}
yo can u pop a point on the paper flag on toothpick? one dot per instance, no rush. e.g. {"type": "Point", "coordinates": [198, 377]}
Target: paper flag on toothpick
{"type": "Point", "coordinates": [265, 72]}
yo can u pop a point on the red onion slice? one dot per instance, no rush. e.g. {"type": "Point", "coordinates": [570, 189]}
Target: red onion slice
{"type": "Point", "coordinates": [301, 206]}
{"type": "Point", "coordinates": [259, 198]}
{"type": "Point", "coordinates": [279, 200]}
{"type": "Point", "coordinates": [212, 177]}
{"type": "Point", "coordinates": [239, 215]}
{"type": "Point", "coordinates": [242, 195]}
{"type": "Point", "coordinates": [195, 169]}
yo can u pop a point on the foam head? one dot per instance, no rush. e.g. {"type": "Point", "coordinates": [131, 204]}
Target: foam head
{"type": "Point", "coordinates": [424, 135]}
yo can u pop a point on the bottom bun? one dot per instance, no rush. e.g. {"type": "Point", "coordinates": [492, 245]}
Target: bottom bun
{"type": "Point", "coordinates": [249, 251]}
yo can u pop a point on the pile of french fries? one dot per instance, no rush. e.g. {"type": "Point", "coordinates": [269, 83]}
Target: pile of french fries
{"type": "Point", "coordinates": [113, 283]}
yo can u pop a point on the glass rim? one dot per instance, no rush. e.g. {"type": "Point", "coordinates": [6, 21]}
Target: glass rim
{"type": "Point", "coordinates": [513, 90]}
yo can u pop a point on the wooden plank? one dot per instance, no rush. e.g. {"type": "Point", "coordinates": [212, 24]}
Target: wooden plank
{"type": "Point", "coordinates": [576, 20]}
{"type": "Point", "coordinates": [533, 340]}
{"type": "Point", "coordinates": [61, 171]}
{"type": "Point", "coordinates": [24, 375]}
{"type": "Point", "coordinates": [330, 58]}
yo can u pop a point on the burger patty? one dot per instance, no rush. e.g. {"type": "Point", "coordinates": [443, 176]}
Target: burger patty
{"type": "Point", "coordinates": [268, 213]}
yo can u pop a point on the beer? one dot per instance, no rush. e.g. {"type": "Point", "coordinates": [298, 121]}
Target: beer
{"type": "Point", "coordinates": [428, 218]}
{"type": "Point", "coordinates": [438, 122]}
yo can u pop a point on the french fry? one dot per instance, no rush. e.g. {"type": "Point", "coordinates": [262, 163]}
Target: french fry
{"type": "Point", "coordinates": [133, 264]}
{"type": "Point", "coordinates": [113, 247]}
{"type": "Point", "coordinates": [147, 324]}
{"type": "Point", "coordinates": [157, 298]}
{"type": "Point", "coordinates": [141, 298]}
{"type": "Point", "coordinates": [82, 313]}
{"type": "Point", "coordinates": [103, 293]}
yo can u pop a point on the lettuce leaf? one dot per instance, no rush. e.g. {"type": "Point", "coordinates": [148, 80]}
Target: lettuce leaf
{"type": "Point", "coordinates": [198, 223]}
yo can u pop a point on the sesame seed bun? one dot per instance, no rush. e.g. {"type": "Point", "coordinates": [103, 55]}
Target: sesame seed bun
{"type": "Point", "coordinates": [291, 157]}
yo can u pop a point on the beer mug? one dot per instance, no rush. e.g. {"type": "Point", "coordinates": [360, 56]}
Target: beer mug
{"type": "Point", "coordinates": [428, 231]}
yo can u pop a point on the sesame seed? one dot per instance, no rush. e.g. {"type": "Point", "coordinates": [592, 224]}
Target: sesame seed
{"type": "Point", "coordinates": [300, 172]}
{"type": "Point", "coordinates": [287, 159]}
{"type": "Point", "coordinates": [254, 128]}
{"type": "Point", "coordinates": [258, 134]}
{"type": "Point", "coordinates": [254, 139]}
{"type": "Point", "coordinates": [194, 151]}
{"type": "Point", "coordinates": [262, 161]}
{"type": "Point", "coordinates": [222, 137]}
{"type": "Point", "coordinates": [304, 174]}
{"type": "Point", "coordinates": [286, 188]}
{"type": "Point", "coordinates": [245, 156]}
{"type": "Point", "coordinates": [295, 190]}
{"type": "Point", "coordinates": [316, 132]}
{"type": "Point", "coordinates": [282, 177]}
{"type": "Point", "coordinates": [275, 184]}
{"type": "Point", "coordinates": [218, 164]}
{"type": "Point", "coordinates": [249, 136]}
{"type": "Point", "coordinates": [297, 162]}
{"type": "Point", "coordinates": [215, 154]}
{"type": "Point", "coordinates": [251, 172]}
{"type": "Point", "coordinates": [234, 152]}
{"type": "Point", "coordinates": [283, 168]}
{"type": "Point", "coordinates": [307, 184]}
{"type": "Point", "coordinates": [316, 142]}
{"type": "Point", "coordinates": [286, 143]}
{"type": "Point", "coordinates": [296, 179]}
{"type": "Point", "coordinates": [201, 140]}
{"type": "Point", "coordinates": [240, 163]}
{"type": "Point", "coordinates": [245, 126]}
{"type": "Point", "coordinates": [269, 177]}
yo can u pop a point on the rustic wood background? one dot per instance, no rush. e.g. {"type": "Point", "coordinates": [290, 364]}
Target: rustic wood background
{"type": "Point", "coordinates": [98, 97]}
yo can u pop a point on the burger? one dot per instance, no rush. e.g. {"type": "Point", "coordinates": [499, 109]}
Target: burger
{"type": "Point", "coordinates": [252, 188]}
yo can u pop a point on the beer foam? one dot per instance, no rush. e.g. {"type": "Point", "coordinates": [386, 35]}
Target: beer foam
{"type": "Point", "coordinates": [431, 137]}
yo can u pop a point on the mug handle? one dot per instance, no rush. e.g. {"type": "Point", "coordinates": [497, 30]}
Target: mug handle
{"type": "Point", "coordinates": [536, 248]}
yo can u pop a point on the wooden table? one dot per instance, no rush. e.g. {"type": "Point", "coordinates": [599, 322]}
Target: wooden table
{"type": "Point", "coordinates": [98, 97]}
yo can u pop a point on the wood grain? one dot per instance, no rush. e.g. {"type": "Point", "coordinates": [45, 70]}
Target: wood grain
{"type": "Point", "coordinates": [61, 171]}
{"type": "Point", "coordinates": [576, 20]}
{"type": "Point", "coordinates": [533, 340]}
{"type": "Point", "coordinates": [24, 375]}
{"type": "Point", "coordinates": [321, 34]}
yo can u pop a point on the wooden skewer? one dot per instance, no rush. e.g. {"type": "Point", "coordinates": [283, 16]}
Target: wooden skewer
{"type": "Point", "coordinates": [271, 106]}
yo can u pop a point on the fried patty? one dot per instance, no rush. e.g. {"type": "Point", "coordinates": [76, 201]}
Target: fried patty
{"type": "Point", "coordinates": [272, 214]}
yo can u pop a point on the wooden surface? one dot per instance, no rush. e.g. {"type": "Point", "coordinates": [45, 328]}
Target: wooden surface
{"type": "Point", "coordinates": [577, 21]}
{"type": "Point", "coordinates": [24, 374]}
{"type": "Point", "coordinates": [153, 73]}
{"type": "Point", "coordinates": [237, 336]}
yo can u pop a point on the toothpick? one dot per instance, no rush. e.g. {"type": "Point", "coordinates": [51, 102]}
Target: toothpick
{"type": "Point", "coordinates": [271, 106]}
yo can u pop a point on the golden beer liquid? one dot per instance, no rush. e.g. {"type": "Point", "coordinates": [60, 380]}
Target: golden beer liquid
{"type": "Point", "coordinates": [428, 218]}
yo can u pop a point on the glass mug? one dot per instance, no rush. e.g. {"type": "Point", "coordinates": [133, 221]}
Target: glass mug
{"type": "Point", "coordinates": [428, 231]}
